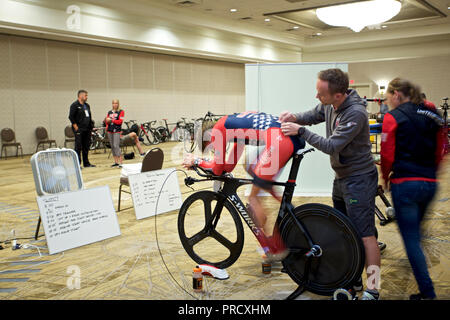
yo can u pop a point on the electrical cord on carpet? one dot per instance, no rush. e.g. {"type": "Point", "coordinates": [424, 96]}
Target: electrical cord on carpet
{"type": "Point", "coordinates": [29, 238]}
{"type": "Point", "coordinates": [156, 232]}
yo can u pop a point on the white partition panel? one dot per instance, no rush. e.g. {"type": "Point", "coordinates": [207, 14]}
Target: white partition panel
{"type": "Point", "coordinates": [273, 88]}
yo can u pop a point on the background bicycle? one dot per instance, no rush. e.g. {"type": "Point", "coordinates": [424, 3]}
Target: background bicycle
{"type": "Point", "coordinates": [131, 126]}
{"type": "Point", "coordinates": [146, 133]}
{"type": "Point", "coordinates": [192, 130]}
{"type": "Point", "coordinates": [99, 139]}
{"type": "Point", "coordinates": [176, 133]}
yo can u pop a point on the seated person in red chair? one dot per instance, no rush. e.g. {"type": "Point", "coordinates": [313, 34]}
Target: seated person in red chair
{"type": "Point", "coordinates": [251, 127]}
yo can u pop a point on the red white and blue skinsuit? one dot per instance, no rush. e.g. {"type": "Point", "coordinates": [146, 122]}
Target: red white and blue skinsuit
{"type": "Point", "coordinates": [251, 127]}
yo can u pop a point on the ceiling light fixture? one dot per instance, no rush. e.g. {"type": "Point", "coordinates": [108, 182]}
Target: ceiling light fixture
{"type": "Point", "coordinates": [358, 15]}
{"type": "Point", "coordinates": [233, 10]}
{"type": "Point", "coordinates": [295, 27]}
{"type": "Point", "coordinates": [267, 20]}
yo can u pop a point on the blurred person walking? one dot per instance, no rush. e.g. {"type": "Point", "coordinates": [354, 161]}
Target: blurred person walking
{"type": "Point", "coordinates": [411, 150]}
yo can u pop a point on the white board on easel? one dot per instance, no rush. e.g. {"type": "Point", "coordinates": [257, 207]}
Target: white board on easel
{"type": "Point", "coordinates": [155, 192]}
{"type": "Point", "coordinates": [78, 218]}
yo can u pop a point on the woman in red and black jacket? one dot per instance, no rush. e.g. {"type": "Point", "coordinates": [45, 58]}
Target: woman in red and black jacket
{"type": "Point", "coordinates": [411, 150]}
{"type": "Point", "coordinates": [114, 121]}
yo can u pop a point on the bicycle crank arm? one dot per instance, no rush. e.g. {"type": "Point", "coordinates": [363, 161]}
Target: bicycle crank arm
{"type": "Point", "coordinates": [315, 251]}
{"type": "Point", "coordinates": [301, 251]}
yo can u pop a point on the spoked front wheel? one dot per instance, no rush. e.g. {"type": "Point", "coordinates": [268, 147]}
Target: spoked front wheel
{"type": "Point", "coordinates": [163, 133]}
{"type": "Point", "coordinates": [155, 135]}
{"type": "Point", "coordinates": [178, 134]}
{"type": "Point", "coordinates": [210, 229]}
{"type": "Point", "coordinates": [147, 138]}
{"type": "Point", "coordinates": [342, 259]}
{"type": "Point", "coordinates": [94, 144]}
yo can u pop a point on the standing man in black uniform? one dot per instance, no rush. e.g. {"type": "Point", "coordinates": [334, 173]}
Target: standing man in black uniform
{"type": "Point", "coordinates": [81, 118]}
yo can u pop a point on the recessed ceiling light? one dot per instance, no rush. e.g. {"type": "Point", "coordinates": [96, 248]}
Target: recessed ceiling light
{"type": "Point", "coordinates": [318, 33]}
{"type": "Point", "coordinates": [267, 20]}
{"type": "Point", "coordinates": [295, 27]}
{"type": "Point", "coordinates": [384, 26]}
{"type": "Point", "coordinates": [233, 10]}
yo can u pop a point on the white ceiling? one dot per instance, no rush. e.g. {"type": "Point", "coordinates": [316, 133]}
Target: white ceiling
{"type": "Point", "coordinates": [421, 29]}
{"type": "Point", "coordinates": [254, 13]}
{"type": "Point", "coordinates": [419, 21]}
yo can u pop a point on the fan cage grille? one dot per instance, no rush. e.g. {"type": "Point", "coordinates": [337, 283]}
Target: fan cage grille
{"type": "Point", "coordinates": [58, 171]}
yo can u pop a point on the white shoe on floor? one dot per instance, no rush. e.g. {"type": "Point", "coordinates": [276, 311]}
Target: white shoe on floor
{"type": "Point", "coordinates": [370, 296]}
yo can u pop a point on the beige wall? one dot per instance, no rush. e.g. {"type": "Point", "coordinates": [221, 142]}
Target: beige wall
{"type": "Point", "coordinates": [432, 74]}
{"type": "Point", "coordinates": [40, 79]}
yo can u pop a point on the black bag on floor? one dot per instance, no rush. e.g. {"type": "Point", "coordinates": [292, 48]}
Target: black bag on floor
{"type": "Point", "coordinates": [128, 156]}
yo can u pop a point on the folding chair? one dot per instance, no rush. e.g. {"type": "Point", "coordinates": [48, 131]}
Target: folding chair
{"type": "Point", "coordinates": [9, 140]}
{"type": "Point", "coordinates": [69, 135]}
{"type": "Point", "coordinates": [42, 137]}
{"type": "Point", "coordinates": [153, 160]}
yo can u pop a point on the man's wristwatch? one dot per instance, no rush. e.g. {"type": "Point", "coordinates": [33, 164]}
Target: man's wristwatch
{"type": "Point", "coordinates": [301, 131]}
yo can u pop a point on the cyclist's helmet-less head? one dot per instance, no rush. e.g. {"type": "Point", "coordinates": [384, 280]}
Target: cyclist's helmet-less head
{"type": "Point", "coordinates": [207, 127]}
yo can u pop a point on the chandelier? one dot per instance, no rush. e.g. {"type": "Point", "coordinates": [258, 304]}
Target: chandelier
{"type": "Point", "coordinates": [358, 15]}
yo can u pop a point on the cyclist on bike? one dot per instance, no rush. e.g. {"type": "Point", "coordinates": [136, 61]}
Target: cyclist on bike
{"type": "Point", "coordinates": [251, 127]}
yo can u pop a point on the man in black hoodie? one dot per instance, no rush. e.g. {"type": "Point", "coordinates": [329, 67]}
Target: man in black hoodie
{"type": "Point", "coordinates": [81, 118]}
{"type": "Point", "coordinates": [348, 144]}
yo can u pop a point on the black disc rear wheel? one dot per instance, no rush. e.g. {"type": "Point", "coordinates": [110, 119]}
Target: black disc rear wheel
{"type": "Point", "coordinates": [342, 259]}
{"type": "Point", "coordinates": [210, 229]}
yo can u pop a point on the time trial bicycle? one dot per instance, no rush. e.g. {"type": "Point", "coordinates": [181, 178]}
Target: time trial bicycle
{"type": "Point", "coordinates": [325, 251]}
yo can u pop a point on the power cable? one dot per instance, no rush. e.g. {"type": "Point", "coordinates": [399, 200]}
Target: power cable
{"type": "Point", "coordinates": [156, 233]}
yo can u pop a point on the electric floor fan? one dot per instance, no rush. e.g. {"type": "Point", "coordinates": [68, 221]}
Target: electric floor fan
{"type": "Point", "coordinates": [55, 170]}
